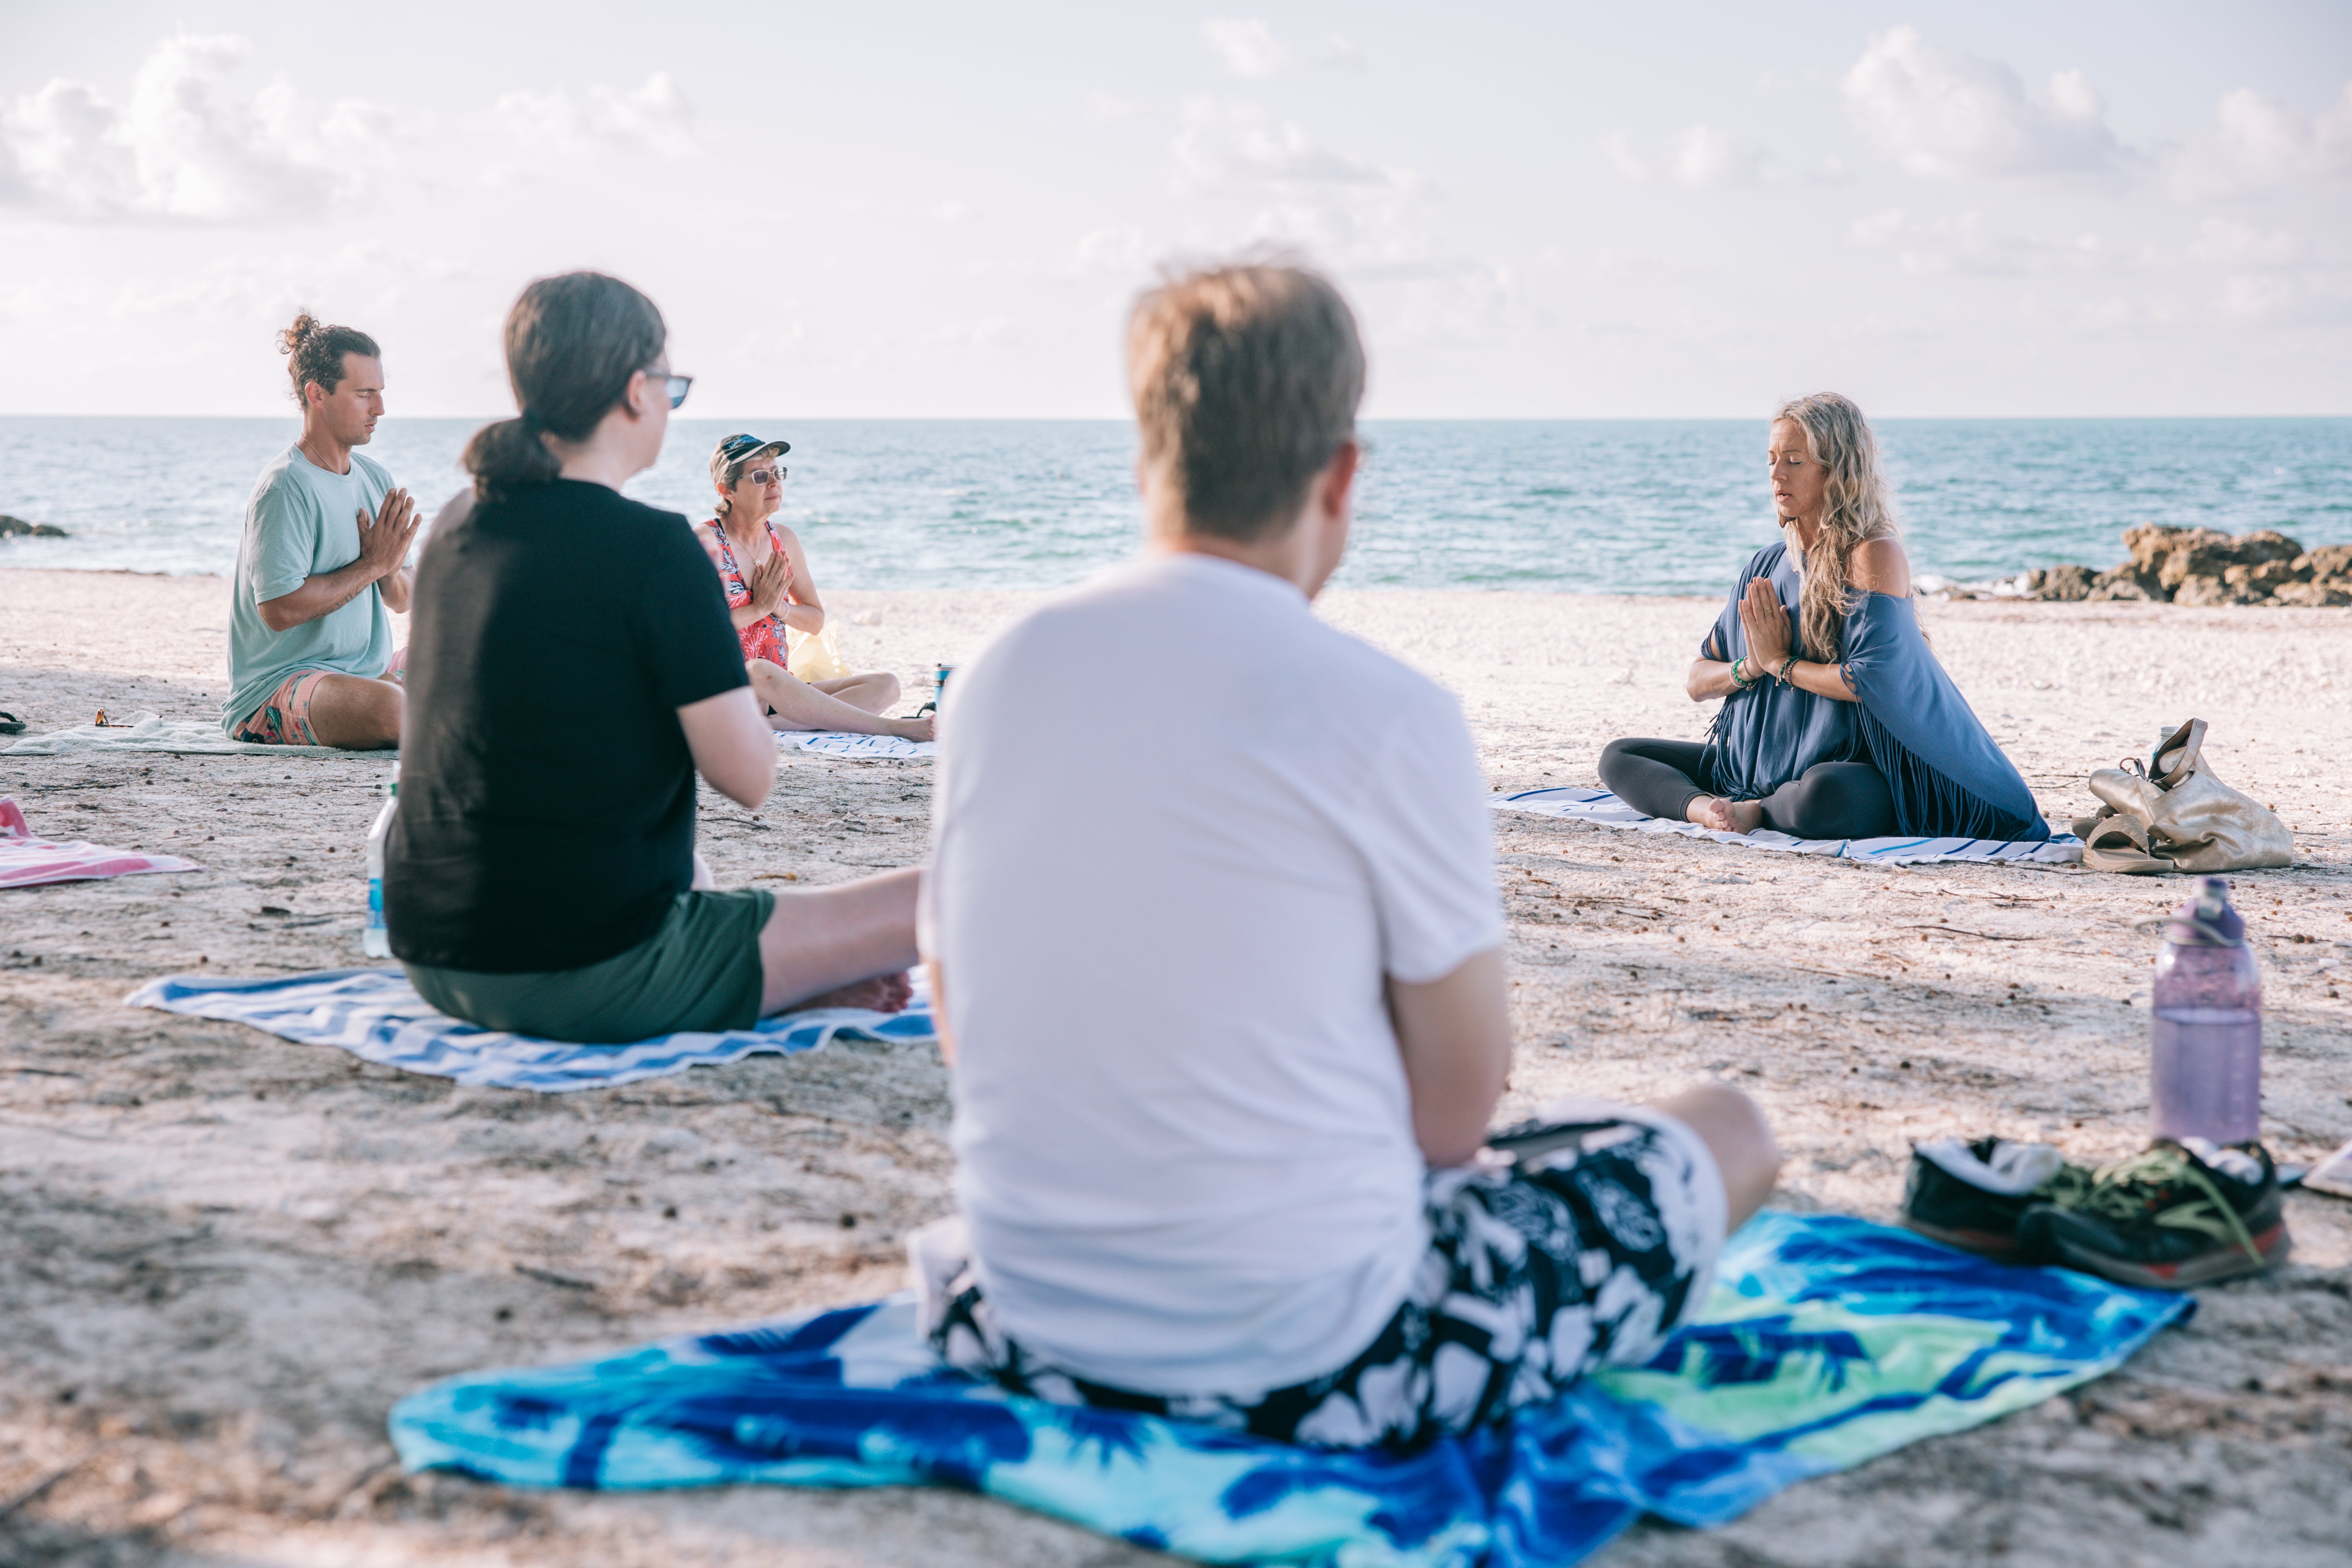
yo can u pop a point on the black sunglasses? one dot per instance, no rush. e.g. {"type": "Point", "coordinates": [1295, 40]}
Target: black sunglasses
{"type": "Point", "coordinates": [674, 387]}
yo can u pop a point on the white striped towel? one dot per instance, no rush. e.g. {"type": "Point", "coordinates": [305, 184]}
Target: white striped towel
{"type": "Point", "coordinates": [858, 748]}
{"type": "Point", "coordinates": [377, 1015]}
{"type": "Point", "coordinates": [1597, 805]}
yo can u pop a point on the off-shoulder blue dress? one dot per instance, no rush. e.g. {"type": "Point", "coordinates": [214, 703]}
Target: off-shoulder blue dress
{"type": "Point", "coordinates": [1948, 778]}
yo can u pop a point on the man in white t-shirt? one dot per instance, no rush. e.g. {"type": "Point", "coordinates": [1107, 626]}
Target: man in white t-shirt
{"type": "Point", "coordinates": [1220, 973]}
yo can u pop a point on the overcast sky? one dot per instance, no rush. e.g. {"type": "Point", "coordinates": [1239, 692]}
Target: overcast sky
{"type": "Point", "coordinates": [1563, 209]}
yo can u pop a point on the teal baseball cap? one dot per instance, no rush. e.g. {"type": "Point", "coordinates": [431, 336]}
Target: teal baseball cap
{"type": "Point", "coordinates": [734, 451]}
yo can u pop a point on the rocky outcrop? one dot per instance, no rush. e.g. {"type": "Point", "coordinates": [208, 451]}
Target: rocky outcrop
{"type": "Point", "coordinates": [2203, 566]}
{"type": "Point", "coordinates": [12, 525]}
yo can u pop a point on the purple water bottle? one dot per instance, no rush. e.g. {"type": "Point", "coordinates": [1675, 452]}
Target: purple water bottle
{"type": "Point", "coordinates": [2206, 1078]}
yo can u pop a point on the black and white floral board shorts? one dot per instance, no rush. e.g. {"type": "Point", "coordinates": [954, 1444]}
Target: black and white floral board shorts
{"type": "Point", "coordinates": [1582, 1253]}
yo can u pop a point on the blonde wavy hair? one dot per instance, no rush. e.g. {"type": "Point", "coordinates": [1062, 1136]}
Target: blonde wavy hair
{"type": "Point", "coordinates": [1855, 506]}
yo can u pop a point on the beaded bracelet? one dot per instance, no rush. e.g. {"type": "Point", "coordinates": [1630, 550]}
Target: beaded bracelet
{"type": "Point", "coordinates": [1742, 681]}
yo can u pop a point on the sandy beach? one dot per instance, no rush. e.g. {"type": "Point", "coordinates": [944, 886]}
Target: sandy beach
{"type": "Point", "coordinates": [223, 1256]}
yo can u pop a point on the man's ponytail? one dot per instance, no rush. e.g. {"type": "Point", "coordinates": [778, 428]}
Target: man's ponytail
{"type": "Point", "coordinates": [314, 352]}
{"type": "Point", "coordinates": [572, 342]}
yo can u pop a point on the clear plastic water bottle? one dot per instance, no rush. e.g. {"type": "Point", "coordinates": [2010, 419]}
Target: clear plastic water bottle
{"type": "Point", "coordinates": [376, 941]}
{"type": "Point", "coordinates": [939, 690]}
{"type": "Point", "coordinates": [2205, 1079]}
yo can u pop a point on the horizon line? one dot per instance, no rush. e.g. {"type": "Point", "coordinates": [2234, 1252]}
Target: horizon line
{"type": "Point", "coordinates": [1129, 419]}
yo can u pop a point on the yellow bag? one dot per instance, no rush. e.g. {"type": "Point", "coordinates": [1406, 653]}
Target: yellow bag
{"type": "Point", "coordinates": [815, 658]}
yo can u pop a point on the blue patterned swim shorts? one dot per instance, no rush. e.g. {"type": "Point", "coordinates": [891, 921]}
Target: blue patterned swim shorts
{"type": "Point", "coordinates": [1583, 1250]}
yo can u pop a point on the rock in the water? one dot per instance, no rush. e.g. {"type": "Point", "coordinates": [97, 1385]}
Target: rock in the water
{"type": "Point", "coordinates": [2204, 554]}
{"type": "Point", "coordinates": [2153, 546]}
{"type": "Point", "coordinates": [2177, 554]}
{"type": "Point", "coordinates": [2267, 576]}
{"type": "Point", "coordinates": [13, 525]}
{"type": "Point", "coordinates": [2205, 566]}
{"type": "Point", "coordinates": [2312, 595]}
{"type": "Point", "coordinates": [2065, 583]}
{"type": "Point", "coordinates": [2329, 563]}
{"type": "Point", "coordinates": [2124, 582]}
{"type": "Point", "coordinates": [2266, 545]}
{"type": "Point", "coordinates": [2215, 590]}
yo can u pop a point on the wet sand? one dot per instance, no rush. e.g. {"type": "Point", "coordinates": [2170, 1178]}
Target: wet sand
{"type": "Point", "coordinates": [223, 1256]}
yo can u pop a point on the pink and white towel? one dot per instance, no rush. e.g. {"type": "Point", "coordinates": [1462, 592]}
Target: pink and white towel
{"type": "Point", "coordinates": [25, 860]}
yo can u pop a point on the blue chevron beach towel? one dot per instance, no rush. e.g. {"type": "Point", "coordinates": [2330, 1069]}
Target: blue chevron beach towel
{"type": "Point", "coordinates": [1597, 805]}
{"type": "Point", "coordinates": [858, 748]}
{"type": "Point", "coordinates": [1828, 1340]}
{"type": "Point", "coordinates": [377, 1015]}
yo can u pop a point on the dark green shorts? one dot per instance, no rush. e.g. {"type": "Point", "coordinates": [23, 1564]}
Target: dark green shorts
{"type": "Point", "coordinates": [700, 972]}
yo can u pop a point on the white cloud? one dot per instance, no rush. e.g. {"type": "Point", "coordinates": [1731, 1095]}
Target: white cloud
{"type": "Point", "coordinates": [2119, 313]}
{"type": "Point", "coordinates": [653, 118]}
{"type": "Point", "coordinates": [1701, 158]}
{"type": "Point", "coordinates": [1363, 221]}
{"type": "Point", "coordinates": [977, 336]}
{"type": "Point", "coordinates": [1630, 164]}
{"type": "Point", "coordinates": [190, 144]}
{"type": "Point", "coordinates": [1105, 109]}
{"type": "Point", "coordinates": [2225, 242]}
{"type": "Point", "coordinates": [1880, 230]}
{"type": "Point", "coordinates": [2272, 143]}
{"type": "Point", "coordinates": [1247, 47]}
{"type": "Point", "coordinates": [2259, 143]}
{"type": "Point", "coordinates": [2251, 298]}
{"type": "Point", "coordinates": [1708, 158]}
{"type": "Point", "coordinates": [2307, 301]}
{"type": "Point", "coordinates": [1947, 116]}
{"type": "Point", "coordinates": [184, 149]}
{"type": "Point", "coordinates": [1342, 53]}
{"type": "Point", "coordinates": [1117, 252]}
{"type": "Point", "coordinates": [1965, 244]}
{"type": "Point", "coordinates": [1374, 241]}
{"type": "Point", "coordinates": [1224, 143]}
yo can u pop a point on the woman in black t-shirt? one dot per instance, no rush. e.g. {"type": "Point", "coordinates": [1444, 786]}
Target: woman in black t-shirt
{"type": "Point", "coordinates": [571, 668]}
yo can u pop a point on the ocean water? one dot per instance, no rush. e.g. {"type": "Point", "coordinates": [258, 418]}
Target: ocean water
{"type": "Point", "coordinates": [1630, 507]}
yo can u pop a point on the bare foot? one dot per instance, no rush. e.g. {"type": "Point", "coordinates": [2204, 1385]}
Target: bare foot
{"type": "Point", "coordinates": [883, 993]}
{"type": "Point", "coordinates": [1717, 815]}
{"type": "Point", "coordinates": [911, 729]}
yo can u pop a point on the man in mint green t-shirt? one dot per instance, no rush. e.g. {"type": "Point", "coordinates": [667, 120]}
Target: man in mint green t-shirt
{"type": "Point", "coordinates": [319, 570]}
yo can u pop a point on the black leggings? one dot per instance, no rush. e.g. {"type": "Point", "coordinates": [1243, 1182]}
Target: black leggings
{"type": "Point", "coordinates": [1833, 800]}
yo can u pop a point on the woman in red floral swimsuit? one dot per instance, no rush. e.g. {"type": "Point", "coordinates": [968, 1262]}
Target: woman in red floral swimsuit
{"type": "Point", "coordinates": [769, 591]}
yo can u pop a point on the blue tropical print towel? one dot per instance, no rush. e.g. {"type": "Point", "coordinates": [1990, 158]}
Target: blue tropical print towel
{"type": "Point", "coordinates": [1828, 1340]}
{"type": "Point", "coordinates": [376, 1015]}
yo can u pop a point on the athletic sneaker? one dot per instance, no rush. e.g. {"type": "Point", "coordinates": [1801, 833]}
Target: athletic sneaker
{"type": "Point", "coordinates": [1973, 1195]}
{"type": "Point", "coordinates": [2175, 1215]}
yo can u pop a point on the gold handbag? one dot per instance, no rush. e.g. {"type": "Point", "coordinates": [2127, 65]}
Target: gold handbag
{"type": "Point", "coordinates": [2175, 816]}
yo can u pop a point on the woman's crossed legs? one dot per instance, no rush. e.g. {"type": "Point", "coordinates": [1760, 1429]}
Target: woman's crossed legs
{"type": "Point", "coordinates": [1667, 779]}
{"type": "Point", "coordinates": [853, 703]}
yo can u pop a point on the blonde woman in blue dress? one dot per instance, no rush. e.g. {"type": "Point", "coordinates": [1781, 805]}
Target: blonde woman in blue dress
{"type": "Point", "coordinates": [1838, 721]}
